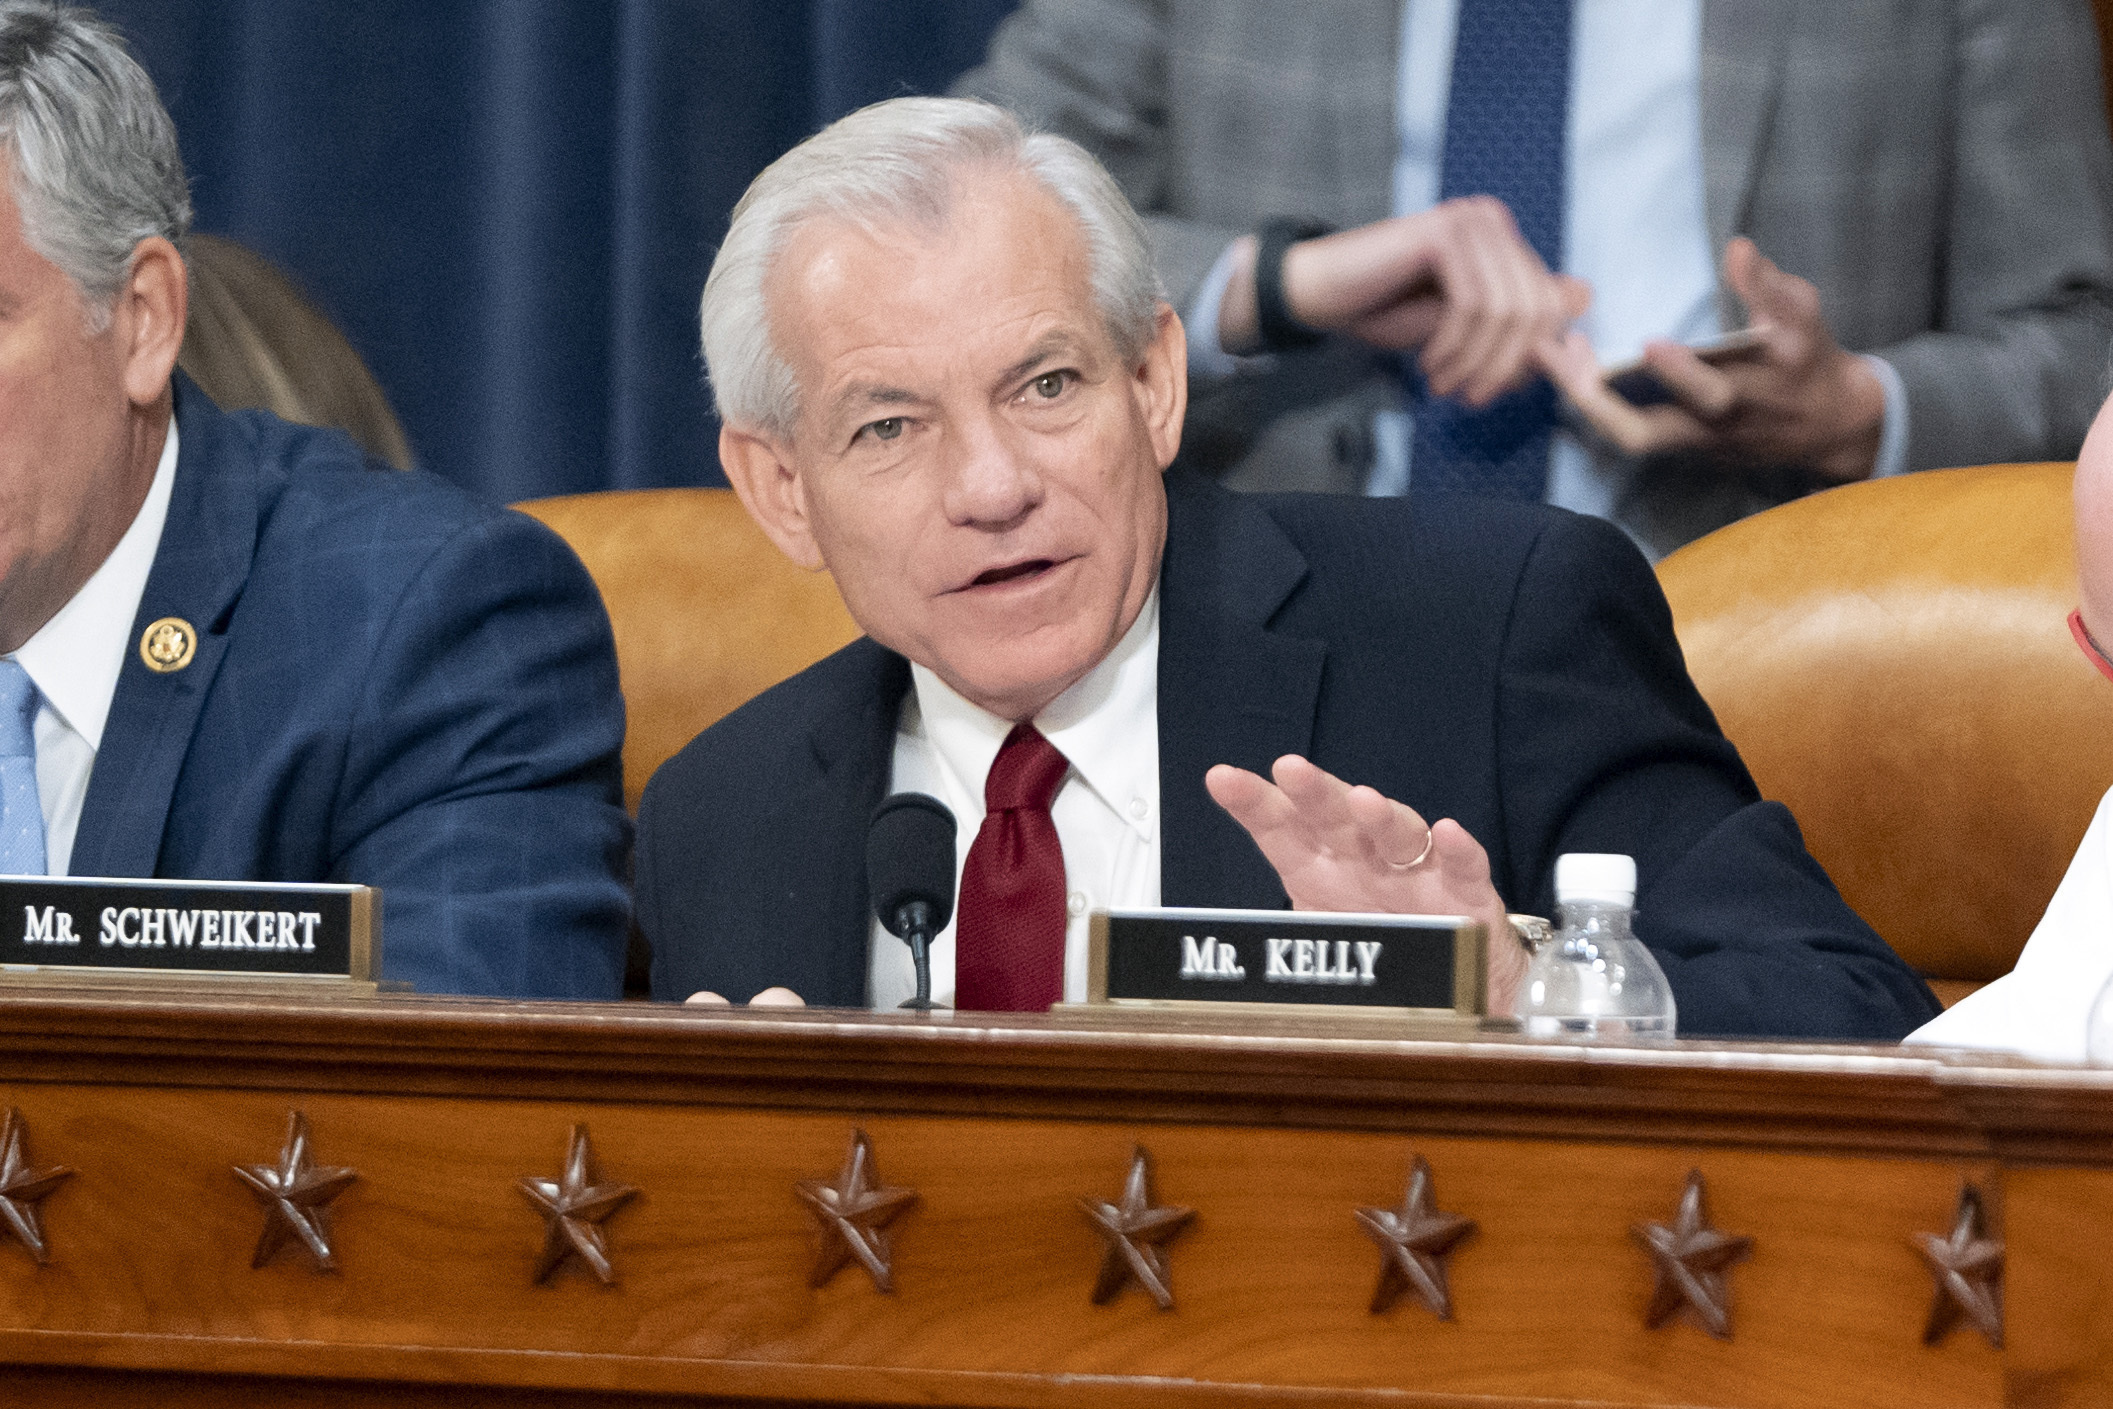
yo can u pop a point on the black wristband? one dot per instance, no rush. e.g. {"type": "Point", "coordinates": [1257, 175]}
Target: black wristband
{"type": "Point", "coordinates": [1274, 323]}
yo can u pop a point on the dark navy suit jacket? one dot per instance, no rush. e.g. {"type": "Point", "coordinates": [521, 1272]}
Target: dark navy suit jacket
{"type": "Point", "coordinates": [1511, 666]}
{"type": "Point", "coordinates": [394, 685]}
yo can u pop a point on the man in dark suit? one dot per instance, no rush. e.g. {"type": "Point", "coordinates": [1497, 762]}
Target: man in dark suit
{"type": "Point", "coordinates": [946, 375]}
{"type": "Point", "coordinates": [235, 649]}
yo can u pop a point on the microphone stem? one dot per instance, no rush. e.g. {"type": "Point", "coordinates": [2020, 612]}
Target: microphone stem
{"type": "Point", "coordinates": [917, 933]}
{"type": "Point", "coordinates": [921, 956]}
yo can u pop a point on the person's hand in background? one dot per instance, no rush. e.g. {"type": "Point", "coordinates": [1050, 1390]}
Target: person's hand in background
{"type": "Point", "coordinates": [1457, 281]}
{"type": "Point", "coordinates": [1802, 400]}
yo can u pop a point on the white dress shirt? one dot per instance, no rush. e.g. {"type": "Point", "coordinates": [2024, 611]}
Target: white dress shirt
{"type": "Point", "coordinates": [1106, 812]}
{"type": "Point", "coordinates": [75, 659]}
{"type": "Point", "coordinates": [1634, 224]}
{"type": "Point", "coordinates": [2041, 1007]}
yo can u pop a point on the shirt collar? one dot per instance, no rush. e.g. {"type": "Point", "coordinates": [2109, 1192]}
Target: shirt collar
{"type": "Point", "coordinates": [1106, 724]}
{"type": "Point", "coordinates": [76, 657]}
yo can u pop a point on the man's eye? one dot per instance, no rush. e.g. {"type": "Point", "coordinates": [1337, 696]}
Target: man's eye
{"type": "Point", "coordinates": [1050, 385]}
{"type": "Point", "coordinates": [886, 429]}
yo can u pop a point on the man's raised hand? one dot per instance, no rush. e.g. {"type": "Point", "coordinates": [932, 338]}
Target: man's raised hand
{"type": "Point", "coordinates": [1344, 848]}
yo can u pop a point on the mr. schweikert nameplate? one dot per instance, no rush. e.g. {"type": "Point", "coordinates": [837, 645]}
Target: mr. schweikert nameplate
{"type": "Point", "coordinates": [111, 928]}
{"type": "Point", "coordinates": [1424, 964]}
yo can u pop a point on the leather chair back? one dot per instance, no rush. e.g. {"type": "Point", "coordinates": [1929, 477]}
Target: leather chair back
{"type": "Point", "coordinates": [1894, 661]}
{"type": "Point", "coordinates": [707, 612]}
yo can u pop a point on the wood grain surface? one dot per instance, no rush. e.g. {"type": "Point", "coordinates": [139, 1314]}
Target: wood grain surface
{"type": "Point", "coordinates": [1831, 1159]}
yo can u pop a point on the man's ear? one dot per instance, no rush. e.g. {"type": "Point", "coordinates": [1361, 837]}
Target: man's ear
{"type": "Point", "coordinates": [1162, 383]}
{"type": "Point", "coordinates": [768, 483]}
{"type": "Point", "coordinates": [148, 319]}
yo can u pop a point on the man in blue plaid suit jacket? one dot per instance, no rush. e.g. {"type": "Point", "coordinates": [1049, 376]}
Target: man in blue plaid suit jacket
{"type": "Point", "coordinates": [391, 684]}
{"type": "Point", "coordinates": [234, 649]}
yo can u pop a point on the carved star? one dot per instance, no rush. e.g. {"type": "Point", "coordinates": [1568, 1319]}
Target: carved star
{"type": "Point", "coordinates": [296, 1196]}
{"type": "Point", "coordinates": [1414, 1242]}
{"type": "Point", "coordinates": [1690, 1259]}
{"type": "Point", "coordinates": [22, 1188]}
{"type": "Point", "coordinates": [574, 1208]}
{"type": "Point", "coordinates": [1136, 1233]}
{"type": "Point", "coordinates": [1969, 1272]}
{"type": "Point", "coordinates": [854, 1214]}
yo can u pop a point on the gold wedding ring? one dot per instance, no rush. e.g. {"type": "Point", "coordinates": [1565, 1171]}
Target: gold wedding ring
{"type": "Point", "coordinates": [1429, 836]}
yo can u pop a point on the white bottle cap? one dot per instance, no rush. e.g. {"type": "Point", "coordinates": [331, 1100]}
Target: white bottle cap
{"type": "Point", "coordinates": [1595, 876]}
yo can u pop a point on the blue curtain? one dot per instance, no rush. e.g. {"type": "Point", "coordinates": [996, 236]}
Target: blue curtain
{"type": "Point", "coordinates": [510, 205]}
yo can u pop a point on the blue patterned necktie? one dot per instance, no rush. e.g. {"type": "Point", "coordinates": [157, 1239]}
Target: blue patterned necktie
{"type": "Point", "coordinates": [1506, 127]}
{"type": "Point", "coordinates": [21, 815]}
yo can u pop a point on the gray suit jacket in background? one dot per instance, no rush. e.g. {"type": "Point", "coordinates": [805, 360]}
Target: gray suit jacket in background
{"type": "Point", "coordinates": [1938, 168]}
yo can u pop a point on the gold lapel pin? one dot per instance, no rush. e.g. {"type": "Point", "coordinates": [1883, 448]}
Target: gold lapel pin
{"type": "Point", "coordinates": [168, 645]}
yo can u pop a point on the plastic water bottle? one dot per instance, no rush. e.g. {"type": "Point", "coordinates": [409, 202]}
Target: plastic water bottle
{"type": "Point", "coordinates": [1595, 978]}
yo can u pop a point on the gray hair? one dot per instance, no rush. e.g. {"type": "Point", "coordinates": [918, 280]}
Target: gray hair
{"type": "Point", "coordinates": [891, 163]}
{"type": "Point", "coordinates": [96, 166]}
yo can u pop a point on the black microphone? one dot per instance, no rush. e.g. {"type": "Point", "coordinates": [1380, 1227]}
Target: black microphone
{"type": "Point", "coordinates": [910, 874]}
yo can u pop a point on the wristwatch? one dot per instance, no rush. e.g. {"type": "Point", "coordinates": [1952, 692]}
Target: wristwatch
{"type": "Point", "coordinates": [1278, 329]}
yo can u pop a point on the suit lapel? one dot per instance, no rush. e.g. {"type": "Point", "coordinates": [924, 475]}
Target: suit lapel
{"type": "Point", "coordinates": [199, 570]}
{"type": "Point", "coordinates": [853, 746]}
{"type": "Point", "coordinates": [1230, 689]}
{"type": "Point", "coordinates": [1743, 52]}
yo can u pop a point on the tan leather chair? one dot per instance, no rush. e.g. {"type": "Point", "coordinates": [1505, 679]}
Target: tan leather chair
{"type": "Point", "coordinates": [708, 614]}
{"type": "Point", "coordinates": [1894, 661]}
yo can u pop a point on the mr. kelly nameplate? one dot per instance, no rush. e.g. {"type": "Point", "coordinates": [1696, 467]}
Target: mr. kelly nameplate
{"type": "Point", "coordinates": [95, 929]}
{"type": "Point", "coordinates": [1421, 965]}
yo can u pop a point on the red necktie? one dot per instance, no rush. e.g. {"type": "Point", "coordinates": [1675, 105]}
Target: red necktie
{"type": "Point", "coordinates": [1009, 939]}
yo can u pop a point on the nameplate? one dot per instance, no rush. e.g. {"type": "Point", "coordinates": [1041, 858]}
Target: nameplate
{"type": "Point", "coordinates": [89, 928]}
{"type": "Point", "coordinates": [1427, 965]}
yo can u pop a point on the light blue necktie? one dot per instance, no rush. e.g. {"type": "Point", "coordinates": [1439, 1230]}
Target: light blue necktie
{"type": "Point", "coordinates": [1505, 129]}
{"type": "Point", "coordinates": [21, 815]}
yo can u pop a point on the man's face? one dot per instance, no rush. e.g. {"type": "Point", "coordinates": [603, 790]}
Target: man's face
{"type": "Point", "coordinates": [973, 459]}
{"type": "Point", "coordinates": [65, 434]}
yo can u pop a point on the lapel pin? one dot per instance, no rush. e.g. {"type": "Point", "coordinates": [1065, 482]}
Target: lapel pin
{"type": "Point", "coordinates": [168, 645]}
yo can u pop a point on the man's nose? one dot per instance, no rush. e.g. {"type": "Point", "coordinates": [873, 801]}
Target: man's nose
{"type": "Point", "coordinates": [990, 484]}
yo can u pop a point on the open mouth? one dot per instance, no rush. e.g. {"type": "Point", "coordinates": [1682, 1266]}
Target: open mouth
{"type": "Point", "coordinates": [1012, 572]}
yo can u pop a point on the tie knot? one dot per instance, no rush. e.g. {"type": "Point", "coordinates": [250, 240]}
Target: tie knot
{"type": "Point", "coordinates": [1026, 773]}
{"type": "Point", "coordinates": [18, 711]}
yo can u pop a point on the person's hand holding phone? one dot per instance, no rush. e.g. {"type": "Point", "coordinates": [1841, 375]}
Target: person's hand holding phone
{"type": "Point", "coordinates": [1784, 393]}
